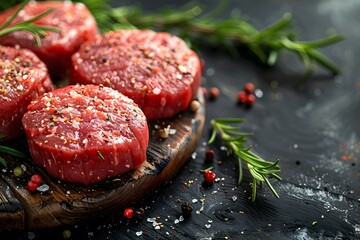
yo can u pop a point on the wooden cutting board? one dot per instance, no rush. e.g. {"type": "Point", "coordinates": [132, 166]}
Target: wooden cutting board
{"type": "Point", "coordinates": [66, 203]}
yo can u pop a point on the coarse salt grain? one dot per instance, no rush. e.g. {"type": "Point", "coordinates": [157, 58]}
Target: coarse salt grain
{"type": "Point", "coordinates": [23, 167]}
{"type": "Point", "coordinates": [259, 93]}
{"type": "Point", "coordinates": [223, 148]}
{"type": "Point", "coordinates": [156, 91]}
{"type": "Point", "coordinates": [139, 233]}
{"type": "Point", "coordinates": [43, 188]}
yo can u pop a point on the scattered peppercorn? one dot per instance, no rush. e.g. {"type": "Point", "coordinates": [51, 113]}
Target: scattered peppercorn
{"type": "Point", "coordinates": [246, 96]}
{"type": "Point", "coordinates": [129, 213]}
{"type": "Point", "coordinates": [18, 172]}
{"type": "Point", "coordinates": [34, 182]}
{"type": "Point", "coordinates": [209, 176]}
{"type": "Point", "coordinates": [155, 70]}
{"type": "Point", "coordinates": [209, 155]}
{"type": "Point", "coordinates": [249, 88]}
{"type": "Point", "coordinates": [36, 178]}
{"type": "Point", "coordinates": [214, 93]}
{"type": "Point", "coordinates": [186, 209]}
{"type": "Point", "coordinates": [194, 106]}
{"type": "Point", "coordinates": [139, 213]}
{"type": "Point", "coordinates": [241, 97]}
{"type": "Point", "coordinates": [32, 186]}
{"type": "Point", "coordinates": [250, 99]}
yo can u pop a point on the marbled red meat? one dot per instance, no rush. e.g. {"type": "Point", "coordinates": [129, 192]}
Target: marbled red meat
{"type": "Point", "coordinates": [86, 133]}
{"type": "Point", "coordinates": [23, 77]}
{"type": "Point", "coordinates": [157, 70]}
{"type": "Point", "coordinates": [76, 25]}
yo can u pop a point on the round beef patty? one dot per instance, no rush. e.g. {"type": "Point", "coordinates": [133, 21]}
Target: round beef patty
{"type": "Point", "coordinates": [76, 25]}
{"type": "Point", "coordinates": [157, 70]}
{"type": "Point", "coordinates": [23, 77]}
{"type": "Point", "coordinates": [85, 134]}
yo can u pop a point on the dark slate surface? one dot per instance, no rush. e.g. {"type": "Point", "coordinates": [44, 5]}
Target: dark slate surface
{"type": "Point", "coordinates": [309, 129]}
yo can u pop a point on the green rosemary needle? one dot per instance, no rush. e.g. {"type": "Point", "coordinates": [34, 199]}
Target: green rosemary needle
{"type": "Point", "coordinates": [38, 31]}
{"type": "Point", "coordinates": [259, 168]}
{"type": "Point", "coordinates": [206, 169]}
{"type": "Point", "coordinates": [196, 26]}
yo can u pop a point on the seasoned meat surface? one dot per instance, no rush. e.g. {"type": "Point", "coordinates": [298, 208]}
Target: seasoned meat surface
{"type": "Point", "coordinates": [23, 77]}
{"type": "Point", "coordinates": [157, 70]}
{"type": "Point", "coordinates": [86, 133]}
{"type": "Point", "coordinates": [75, 24]}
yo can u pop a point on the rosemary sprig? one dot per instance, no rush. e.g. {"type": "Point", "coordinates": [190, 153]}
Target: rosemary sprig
{"type": "Point", "coordinates": [38, 31]}
{"type": "Point", "coordinates": [259, 168]}
{"type": "Point", "coordinates": [9, 151]}
{"type": "Point", "coordinates": [191, 23]}
{"type": "Point", "coordinates": [199, 28]}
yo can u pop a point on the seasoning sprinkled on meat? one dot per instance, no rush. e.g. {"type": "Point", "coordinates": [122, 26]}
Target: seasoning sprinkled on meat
{"type": "Point", "coordinates": [76, 25]}
{"type": "Point", "coordinates": [23, 77]}
{"type": "Point", "coordinates": [86, 133]}
{"type": "Point", "coordinates": [157, 70]}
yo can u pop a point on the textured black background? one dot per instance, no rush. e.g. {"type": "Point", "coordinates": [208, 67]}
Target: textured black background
{"type": "Point", "coordinates": [308, 129]}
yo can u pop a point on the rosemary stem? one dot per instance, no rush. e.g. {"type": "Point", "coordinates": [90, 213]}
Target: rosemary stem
{"type": "Point", "coordinates": [257, 166]}
{"type": "Point", "coordinates": [28, 25]}
{"type": "Point", "coordinates": [240, 177]}
{"type": "Point", "coordinates": [197, 27]}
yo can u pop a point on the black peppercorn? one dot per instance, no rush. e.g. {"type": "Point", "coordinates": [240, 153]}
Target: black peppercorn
{"type": "Point", "coordinates": [186, 209]}
{"type": "Point", "coordinates": [209, 155]}
{"type": "Point", "coordinates": [139, 214]}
